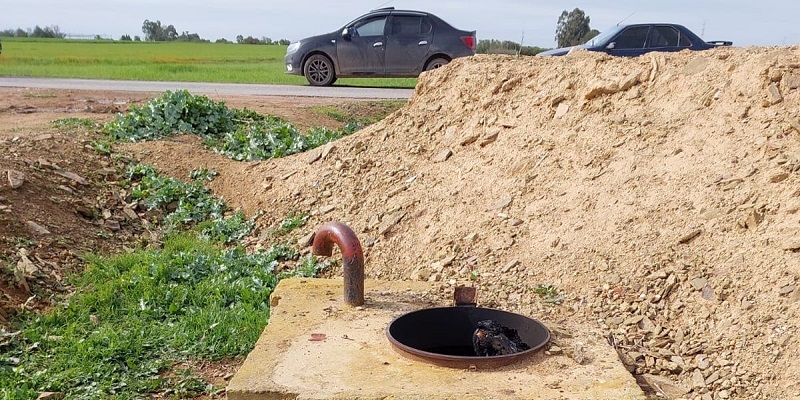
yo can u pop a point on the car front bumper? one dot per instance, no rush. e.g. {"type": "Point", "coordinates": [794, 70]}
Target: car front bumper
{"type": "Point", "coordinates": [293, 64]}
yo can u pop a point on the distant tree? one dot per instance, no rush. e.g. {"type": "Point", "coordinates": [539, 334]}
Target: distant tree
{"type": "Point", "coordinates": [572, 27]}
{"type": "Point", "coordinates": [222, 40]}
{"type": "Point", "coordinates": [154, 31]}
{"type": "Point", "coordinates": [47, 32]}
{"type": "Point", "coordinates": [284, 42]}
{"type": "Point", "coordinates": [137, 38]}
{"type": "Point", "coordinates": [125, 38]}
{"type": "Point", "coordinates": [20, 33]}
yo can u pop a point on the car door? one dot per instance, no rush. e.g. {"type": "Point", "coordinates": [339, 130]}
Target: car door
{"type": "Point", "coordinates": [629, 42]}
{"type": "Point", "coordinates": [362, 50]}
{"type": "Point", "coordinates": [408, 42]}
{"type": "Point", "coordinates": [666, 38]}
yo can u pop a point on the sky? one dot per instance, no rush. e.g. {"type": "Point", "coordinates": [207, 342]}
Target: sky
{"type": "Point", "coordinates": [746, 23]}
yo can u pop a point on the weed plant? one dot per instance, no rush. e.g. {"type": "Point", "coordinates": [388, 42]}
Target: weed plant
{"type": "Point", "coordinates": [240, 134]}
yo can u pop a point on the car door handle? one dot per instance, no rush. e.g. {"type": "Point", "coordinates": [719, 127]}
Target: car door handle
{"type": "Point", "coordinates": [423, 43]}
{"type": "Point", "coordinates": [377, 44]}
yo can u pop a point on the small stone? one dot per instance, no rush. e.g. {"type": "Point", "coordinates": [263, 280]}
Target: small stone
{"type": "Point", "coordinates": [72, 176]}
{"type": "Point", "coordinates": [698, 381]}
{"type": "Point", "coordinates": [699, 283]}
{"type": "Point", "coordinates": [36, 228]}
{"type": "Point", "coordinates": [723, 394]}
{"type": "Point", "coordinates": [712, 378]}
{"type": "Point", "coordinates": [554, 351]}
{"type": "Point", "coordinates": [326, 209]}
{"type": "Point", "coordinates": [665, 385]}
{"type": "Point", "coordinates": [502, 203]}
{"type": "Point", "coordinates": [442, 156]}
{"type": "Point", "coordinates": [15, 178]}
{"type": "Point", "coordinates": [787, 289]}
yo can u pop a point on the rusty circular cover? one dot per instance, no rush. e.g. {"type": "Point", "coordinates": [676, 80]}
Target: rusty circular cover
{"type": "Point", "coordinates": [443, 336]}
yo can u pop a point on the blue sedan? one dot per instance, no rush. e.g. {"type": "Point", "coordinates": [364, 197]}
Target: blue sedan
{"type": "Point", "coordinates": [637, 39]}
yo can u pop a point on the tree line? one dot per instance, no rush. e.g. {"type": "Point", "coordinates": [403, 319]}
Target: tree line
{"type": "Point", "coordinates": [572, 29]}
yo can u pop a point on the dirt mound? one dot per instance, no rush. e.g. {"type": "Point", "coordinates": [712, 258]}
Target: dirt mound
{"type": "Point", "coordinates": [659, 195]}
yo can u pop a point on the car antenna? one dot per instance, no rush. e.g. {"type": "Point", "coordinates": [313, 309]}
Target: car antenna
{"type": "Point", "coordinates": [383, 5]}
{"type": "Point", "coordinates": [623, 20]}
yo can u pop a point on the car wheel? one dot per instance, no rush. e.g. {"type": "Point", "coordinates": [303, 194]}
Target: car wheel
{"type": "Point", "coordinates": [318, 70]}
{"type": "Point", "coordinates": [436, 63]}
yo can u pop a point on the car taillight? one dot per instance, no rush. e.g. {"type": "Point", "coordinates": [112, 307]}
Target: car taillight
{"type": "Point", "coordinates": [468, 41]}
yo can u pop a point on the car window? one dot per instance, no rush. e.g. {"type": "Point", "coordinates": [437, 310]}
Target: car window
{"type": "Point", "coordinates": [663, 36]}
{"type": "Point", "coordinates": [410, 25]}
{"type": "Point", "coordinates": [632, 38]}
{"type": "Point", "coordinates": [370, 27]}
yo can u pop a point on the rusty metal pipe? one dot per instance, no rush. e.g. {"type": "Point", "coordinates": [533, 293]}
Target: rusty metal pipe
{"type": "Point", "coordinates": [340, 234]}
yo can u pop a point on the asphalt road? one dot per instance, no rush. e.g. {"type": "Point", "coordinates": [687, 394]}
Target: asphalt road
{"type": "Point", "coordinates": [208, 88]}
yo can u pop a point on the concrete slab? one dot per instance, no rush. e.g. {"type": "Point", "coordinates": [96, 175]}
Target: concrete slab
{"type": "Point", "coordinates": [316, 347]}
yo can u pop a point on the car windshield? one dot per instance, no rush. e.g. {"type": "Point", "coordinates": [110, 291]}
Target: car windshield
{"type": "Point", "coordinates": [603, 37]}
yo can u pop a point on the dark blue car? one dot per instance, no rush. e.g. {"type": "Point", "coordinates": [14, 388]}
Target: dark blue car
{"type": "Point", "coordinates": [637, 39]}
{"type": "Point", "coordinates": [382, 43]}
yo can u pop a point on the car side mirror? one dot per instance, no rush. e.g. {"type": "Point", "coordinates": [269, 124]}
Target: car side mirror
{"type": "Point", "coordinates": [611, 45]}
{"type": "Point", "coordinates": [346, 34]}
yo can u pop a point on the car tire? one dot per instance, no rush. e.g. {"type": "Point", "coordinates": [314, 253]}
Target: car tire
{"type": "Point", "coordinates": [318, 70]}
{"type": "Point", "coordinates": [436, 63]}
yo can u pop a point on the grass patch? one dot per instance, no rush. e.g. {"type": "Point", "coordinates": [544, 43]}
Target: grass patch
{"type": "Point", "coordinates": [378, 110]}
{"type": "Point", "coordinates": [72, 124]}
{"type": "Point", "coordinates": [136, 315]}
{"type": "Point", "coordinates": [549, 294]}
{"type": "Point", "coordinates": [160, 61]}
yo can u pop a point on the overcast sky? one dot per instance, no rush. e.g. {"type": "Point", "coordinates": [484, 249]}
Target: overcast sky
{"type": "Point", "coordinates": [746, 23]}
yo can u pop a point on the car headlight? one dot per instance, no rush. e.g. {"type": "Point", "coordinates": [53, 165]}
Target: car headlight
{"type": "Point", "coordinates": [292, 47]}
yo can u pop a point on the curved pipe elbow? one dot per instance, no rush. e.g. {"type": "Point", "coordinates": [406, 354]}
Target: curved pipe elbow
{"type": "Point", "coordinates": [341, 235]}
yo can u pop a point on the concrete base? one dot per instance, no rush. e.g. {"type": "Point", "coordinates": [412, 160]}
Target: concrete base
{"type": "Point", "coordinates": [316, 347]}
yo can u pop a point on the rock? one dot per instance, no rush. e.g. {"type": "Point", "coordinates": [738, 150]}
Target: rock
{"type": "Point", "coordinates": [15, 178]}
{"type": "Point", "coordinates": [774, 94]}
{"type": "Point", "coordinates": [327, 150]}
{"type": "Point", "coordinates": [512, 264]}
{"type": "Point", "coordinates": [36, 228]}
{"type": "Point", "coordinates": [489, 138]}
{"type": "Point", "coordinates": [502, 203]}
{"type": "Point", "coordinates": [72, 176]}
{"type": "Point", "coordinates": [561, 110]}
{"type": "Point", "coordinates": [779, 177]}
{"type": "Point", "coordinates": [314, 156]}
{"type": "Point", "coordinates": [698, 381]}
{"type": "Point", "coordinates": [600, 88]}
{"type": "Point", "coordinates": [326, 209]}
{"type": "Point", "coordinates": [442, 156]}
{"type": "Point", "coordinates": [689, 236]}
{"type": "Point", "coordinates": [665, 386]}
{"type": "Point", "coordinates": [698, 283]}
{"type": "Point", "coordinates": [787, 290]}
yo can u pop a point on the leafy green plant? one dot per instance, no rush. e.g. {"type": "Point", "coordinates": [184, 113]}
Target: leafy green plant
{"type": "Point", "coordinates": [549, 294]}
{"type": "Point", "coordinates": [239, 134]}
{"type": "Point", "coordinates": [228, 229]}
{"type": "Point", "coordinates": [104, 147]}
{"type": "Point", "coordinates": [185, 203]}
{"type": "Point", "coordinates": [203, 174]}
{"type": "Point", "coordinates": [290, 223]}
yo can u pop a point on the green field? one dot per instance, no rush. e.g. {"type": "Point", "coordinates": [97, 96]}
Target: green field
{"type": "Point", "coordinates": [158, 61]}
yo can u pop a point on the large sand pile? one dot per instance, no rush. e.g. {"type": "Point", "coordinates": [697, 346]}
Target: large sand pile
{"type": "Point", "coordinates": [660, 195]}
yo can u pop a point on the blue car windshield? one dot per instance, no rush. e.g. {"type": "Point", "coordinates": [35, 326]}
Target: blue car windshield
{"type": "Point", "coordinates": [603, 37]}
